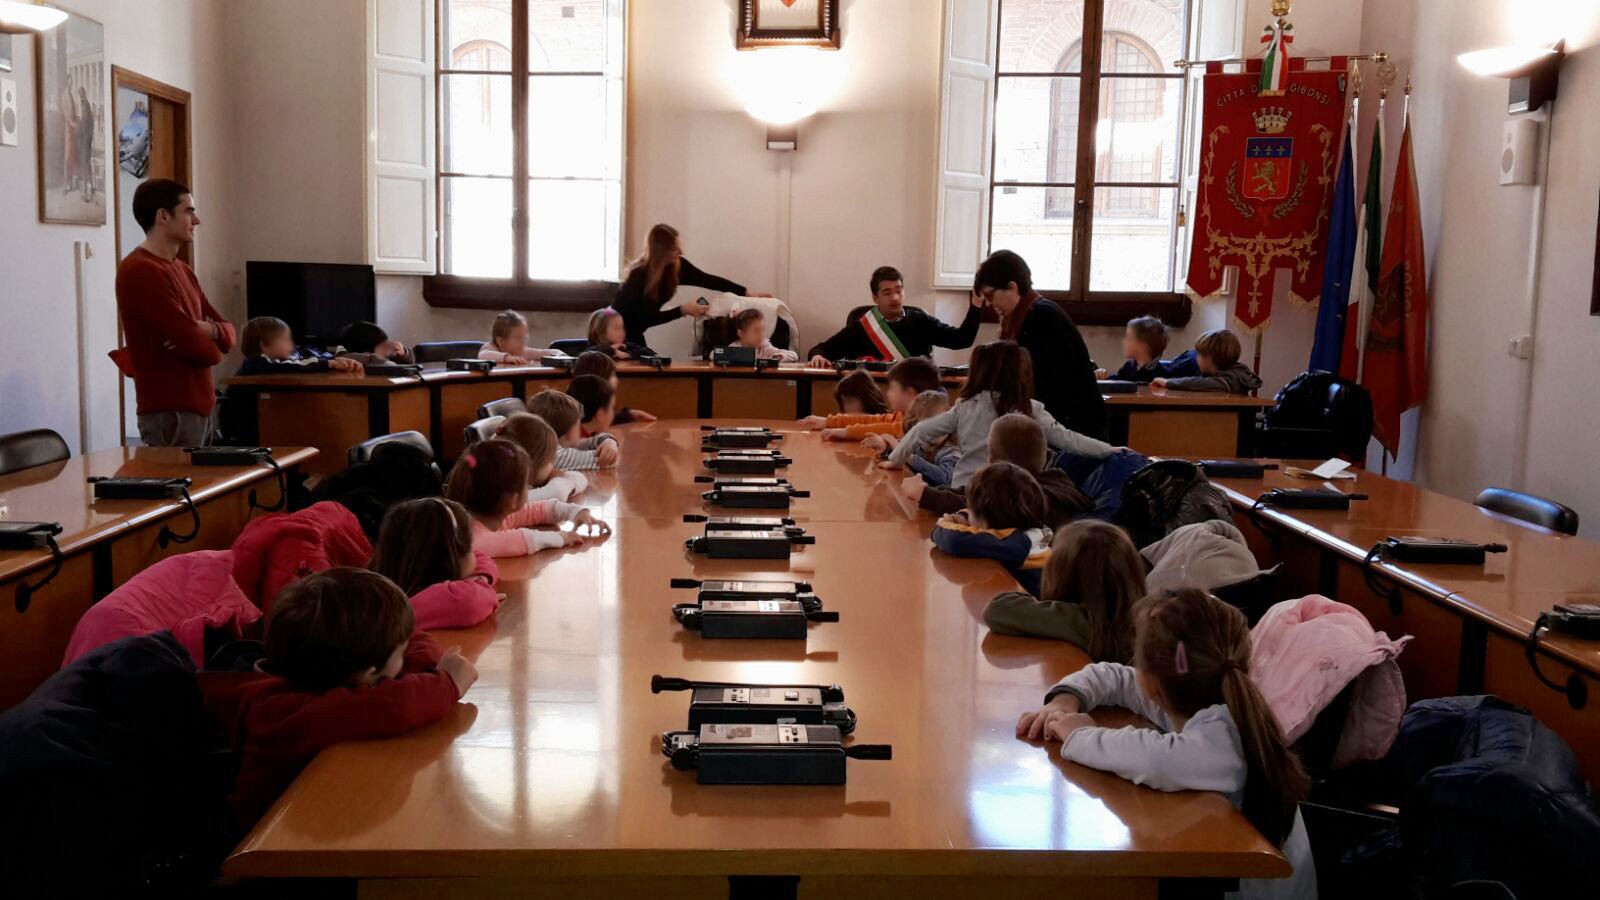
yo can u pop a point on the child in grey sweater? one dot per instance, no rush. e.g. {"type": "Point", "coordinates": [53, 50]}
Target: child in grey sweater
{"type": "Point", "coordinates": [1000, 382]}
{"type": "Point", "coordinates": [1213, 729]}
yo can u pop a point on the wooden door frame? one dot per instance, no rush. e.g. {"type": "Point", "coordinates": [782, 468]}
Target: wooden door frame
{"type": "Point", "coordinates": [183, 164]}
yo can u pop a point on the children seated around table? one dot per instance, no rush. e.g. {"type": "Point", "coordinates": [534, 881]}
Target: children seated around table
{"type": "Point", "coordinates": [1214, 731]}
{"type": "Point", "coordinates": [1142, 345]}
{"type": "Point", "coordinates": [594, 363]}
{"type": "Point", "coordinates": [536, 438]}
{"type": "Point", "coordinates": [369, 344]}
{"type": "Point", "coordinates": [907, 379]}
{"type": "Point", "coordinates": [934, 461]}
{"type": "Point", "coordinates": [608, 334]}
{"type": "Point", "coordinates": [1000, 382]}
{"type": "Point", "coordinates": [1003, 521]}
{"type": "Point", "coordinates": [1220, 369]}
{"type": "Point", "coordinates": [565, 415]}
{"type": "Point", "coordinates": [269, 349]}
{"type": "Point", "coordinates": [1091, 581]}
{"type": "Point", "coordinates": [751, 327]}
{"type": "Point", "coordinates": [425, 547]}
{"type": "Point", "coordinates": [599, 401]}
{"type": "Point", "coordinates": [1014, 438]}
{"type": "Point", "coordinates": [491, 481]}
{"type": "Point", "coordinates": [508, 342]}
{"type": "Point", "coordinates": [343, 662]}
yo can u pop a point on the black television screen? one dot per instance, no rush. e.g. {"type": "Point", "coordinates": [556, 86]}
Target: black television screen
{"type": "Point", "coordinates": [317, 299]}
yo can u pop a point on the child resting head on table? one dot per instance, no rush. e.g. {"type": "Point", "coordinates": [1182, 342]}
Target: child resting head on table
{"type": "Point", "coordinates": [1019, 439]}
{"type": "Point", "coordinates": [536, 438]}
{"type": "Point", "coordinates": [593, 363]}
{"type": "Point", "coordinates": [1091, 581]}
{"type": "Point", "coordinates": [491, 481]}
{"type": "Point", "coordinates": [1003, 521]}
{"type": "Point", "coordinates": [565, 415]}
{"type": "Point", "coordinates": [425, 547]}
{"type": "Point", "coordinates": [880, 431]}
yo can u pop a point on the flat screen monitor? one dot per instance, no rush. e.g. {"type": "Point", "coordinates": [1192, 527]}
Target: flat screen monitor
{"type": "Point", "coordinates": [317, 299]}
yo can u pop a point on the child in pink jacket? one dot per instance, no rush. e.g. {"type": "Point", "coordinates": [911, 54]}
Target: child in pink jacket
{"type": "Point", "coordinates": [425, 546]}
{"type": "Point", "coordinates": [491, 482]}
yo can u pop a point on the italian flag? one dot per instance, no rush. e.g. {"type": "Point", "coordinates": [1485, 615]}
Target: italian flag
{"type": "Point", "coordinates": [1275, 64]}
{"type": "Point", "coordinates": [877, 328]}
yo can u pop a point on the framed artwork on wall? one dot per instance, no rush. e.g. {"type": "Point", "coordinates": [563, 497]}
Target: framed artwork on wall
{"type": "Point", "coordinates": [788, 23]}
{"type": "Point", "coordinates": [71, 63]}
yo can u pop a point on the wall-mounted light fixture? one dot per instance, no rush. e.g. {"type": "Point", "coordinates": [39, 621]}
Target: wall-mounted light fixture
{"type": "Point", "coordinates": [1533, 71]}
{"type": "Point", "coordinates": [28, 17]}
{"type": "Point", "coordinates": [782, 86]}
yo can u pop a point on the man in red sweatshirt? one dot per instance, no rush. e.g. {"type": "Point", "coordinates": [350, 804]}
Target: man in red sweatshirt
{"type": "Point", "coordinates": [174, 336]}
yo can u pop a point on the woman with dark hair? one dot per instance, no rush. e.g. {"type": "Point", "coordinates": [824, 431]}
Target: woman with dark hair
{"type": "Point", "coordinates": [655, 276]}
{"type": "Point", "coordinates": [1063, 372]}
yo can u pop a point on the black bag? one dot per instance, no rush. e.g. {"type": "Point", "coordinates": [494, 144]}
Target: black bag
{"type": "Point", "coordinates": [1165, 496]}
{"type": "Point", "coordinates": [1318, 415]}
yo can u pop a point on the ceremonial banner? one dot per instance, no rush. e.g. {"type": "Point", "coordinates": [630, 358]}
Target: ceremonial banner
{"type": "Point", "coordinates": [1267, 167]}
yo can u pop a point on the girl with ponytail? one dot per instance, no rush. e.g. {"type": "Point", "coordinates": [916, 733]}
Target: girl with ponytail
{"type": "Point", "coordinates": [1191, 679]}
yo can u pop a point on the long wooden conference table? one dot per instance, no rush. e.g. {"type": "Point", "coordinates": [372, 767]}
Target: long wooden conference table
{"type": "Point", "coordinates": [1469, 624]}
{"type": "Point", "coordinates": [106, 542]}
{"type": "Point", "coordinates": [334, 411]}
{"type": "Point", "coordinates": [548, 779]}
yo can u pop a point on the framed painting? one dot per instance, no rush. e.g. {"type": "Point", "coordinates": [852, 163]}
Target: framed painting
{"type": "Point", "coordinates": [73, 108]}
{"type": "Point", "coordinates": [788, 23]}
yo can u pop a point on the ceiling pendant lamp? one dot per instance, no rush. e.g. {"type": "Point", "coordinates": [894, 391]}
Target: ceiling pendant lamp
{"type": "Point", "coordinates": [28, 17]}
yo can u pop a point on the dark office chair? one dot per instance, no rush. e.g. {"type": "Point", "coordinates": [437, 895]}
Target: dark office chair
{"type": "Point", "coordinates": [1316, 416]}
{"type": "Point", "coordinates": [570, 346]}
{"type": "Point", "coordinates": [362, 452]}
{"type": "Point", "coordinates": [501, 408]}
{"type": "Point", "coordinates": [483, 429]}
{"type": "Point", "coordinates": [439, 351]}
{"type": "Point", "coordinates": [1533, 510]}
{"type": "Point", "coordinates": [27, 449]}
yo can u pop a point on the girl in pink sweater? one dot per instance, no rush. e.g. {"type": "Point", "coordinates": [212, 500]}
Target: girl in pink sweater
{"type": "Point", "coordinates": [491, 481]}
{"type": "Point", "coordinates": [425, 546]}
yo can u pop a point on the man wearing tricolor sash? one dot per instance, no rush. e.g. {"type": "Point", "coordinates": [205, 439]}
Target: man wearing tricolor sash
{"type": "Point", "coordinates": [891, 331]}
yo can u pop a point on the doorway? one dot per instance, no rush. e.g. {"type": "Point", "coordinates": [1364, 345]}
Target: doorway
{"type": "Point", "coordinates": [151, 122]}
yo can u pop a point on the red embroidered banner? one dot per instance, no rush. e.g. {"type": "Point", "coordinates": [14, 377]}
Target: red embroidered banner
{"type": "Point", "coordinates": [1267, 166]}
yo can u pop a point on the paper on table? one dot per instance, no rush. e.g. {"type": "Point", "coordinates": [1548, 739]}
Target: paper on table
{"type": "Point", "coordinates": [1333, 468]}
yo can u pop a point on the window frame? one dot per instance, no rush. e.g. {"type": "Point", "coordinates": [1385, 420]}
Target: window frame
{"type": "Point", "coordinates": [520, 291]}
{"type": "Point", "coordinates": [1099, 307]}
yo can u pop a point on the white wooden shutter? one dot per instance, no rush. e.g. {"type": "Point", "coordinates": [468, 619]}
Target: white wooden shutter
{"type": "Point", "coordinates": [1219, 29]}
{"type": "Point", "coordinates": [966, 140]}
{"type": "Point", "coordinates": [402, 207]}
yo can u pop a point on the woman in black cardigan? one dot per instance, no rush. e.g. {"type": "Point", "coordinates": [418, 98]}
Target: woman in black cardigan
{"type": "Point", "coordinates": [655, 276]}
{"type": "Point", "coordinates": [1063, 372]}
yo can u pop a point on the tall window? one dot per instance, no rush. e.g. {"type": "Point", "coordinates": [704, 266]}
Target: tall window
{"type": "Point", "coordinates": [531, 121]}
{"type": "Point", "coordinates": [1087, 143]}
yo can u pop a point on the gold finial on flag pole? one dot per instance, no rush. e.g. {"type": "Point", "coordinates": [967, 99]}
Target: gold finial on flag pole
{"type": "Point", "coordinates": [1280, 8]}
{"type": "Point", "coordinates": [1387, 73]}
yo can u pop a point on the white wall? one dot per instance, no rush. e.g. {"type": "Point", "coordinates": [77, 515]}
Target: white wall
{"type": "Point", "coordinates": [174, 41]}
{"type": "Point", "coordinates": [1478, 237]}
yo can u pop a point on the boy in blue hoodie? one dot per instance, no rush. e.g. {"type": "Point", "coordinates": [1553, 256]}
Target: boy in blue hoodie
{"type": "Point", "coordinates": [1142, 344]}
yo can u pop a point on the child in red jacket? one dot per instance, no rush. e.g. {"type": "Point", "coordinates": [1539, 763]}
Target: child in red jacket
{"type": "Point", "coordinates": [425, 547]}
{"type": "Point", "coordinates": [342, 664]}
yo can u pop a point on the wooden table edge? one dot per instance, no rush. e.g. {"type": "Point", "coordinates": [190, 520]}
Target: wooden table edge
{"type": "Point", "coordinates": [30, 561]}
{"type": "Point", "coordinates": [584, 862]}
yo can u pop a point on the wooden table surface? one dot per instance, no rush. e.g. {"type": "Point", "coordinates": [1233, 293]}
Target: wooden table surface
{"type": "Point", "coordinates": [552, 766]}
{"type": "Point", "coordinates": [1539, 569]}
{"type": "Point", "coordinates": [60, 492]}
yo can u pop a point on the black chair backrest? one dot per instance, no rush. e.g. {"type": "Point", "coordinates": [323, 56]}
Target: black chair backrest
{"type": "Point", "coordinates": [1324, 401]}
{"type": "Point", "coordinates": [505, 406]}
{"type": "Point", "coordinates": [439, 351]}
{"type": "Point", "coordinates": [27, 449]}
{"type": "Point", "coordinates": [570, 346]}
{"type": "Point", "coordinates": [483, 429]}
{"type": "Point", "coordinates": [1534, 510]}
{"type": "Point", "coordinates": [362, 452]}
